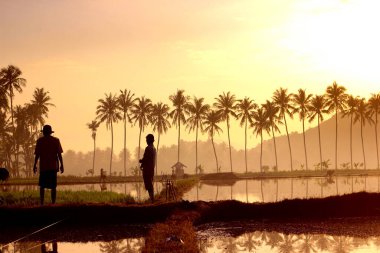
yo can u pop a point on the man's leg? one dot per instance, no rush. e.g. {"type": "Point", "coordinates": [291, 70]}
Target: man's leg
{"type": "Point", "coordinates": [42, 195]}
{"type": "Point", "coordinates": [53, 195]}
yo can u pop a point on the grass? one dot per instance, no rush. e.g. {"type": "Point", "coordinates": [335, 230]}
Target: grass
{"type": "Point", "coordinates": [31, 198]}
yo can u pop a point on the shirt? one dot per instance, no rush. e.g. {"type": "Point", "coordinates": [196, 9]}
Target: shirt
{"type": "Point", "coordinates": [48, 148]}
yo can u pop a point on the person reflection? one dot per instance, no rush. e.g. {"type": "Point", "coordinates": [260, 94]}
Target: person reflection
{"type": "Point", "coordinates": [54, 246]}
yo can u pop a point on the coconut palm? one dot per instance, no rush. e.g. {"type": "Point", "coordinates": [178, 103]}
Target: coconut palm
{"type": "Point", "coordinates": [282, 100]}
{"type": "Point", "coordinates": [11, 81]}
{"type": "Point", "coordinates": [351, 109]}
{"type": "Point", "coordinates": [141, 114]}
{"type": "Point", "coordinates": [180, 102]}
{"type": "Point", "coordinates": [317, 108]}
{"type": "Point", "coordinates": [125, 102]}
{"type": "Point", "coordinates": [160, 122]}
{"type": "Point", "coordinates": [211, 121]}
{"type": "Point", "coordinates": [244, 109]}
{"type": "Point", "coordinates": [374, 107]}
{"type": "Point", "coordinates": [41, 100]}
{"type": "Point", "coordinates": [197, 111]}
{"type": "Point", "coordinates": [274, 120]}
{"type": "Point", "coordinates": [260, 124]}
{"type": "Point", "coordinates": [301, 106]}
{"type": "Point", "coordinates": [3, 99]}
{"type": "Point", "coordinates": [108, 112]}
{"type": "Point", "coordinates": [93, 126]}
{"type": "Point", "coordinates": [336, 99]}
{"type": "Point", "coordinates": [226, 106]}
{"type": "Point", "coordinates": [363, 115]}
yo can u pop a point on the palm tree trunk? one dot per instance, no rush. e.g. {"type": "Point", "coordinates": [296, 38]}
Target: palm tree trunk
{"type": "Point", "coordinates": [377, 146]}
{"type": "Point", "coordinates": [111, 148]}
{"type": "Point", "coordinates": [320, 146]}
{"type": "Point", "coordinates": [216, 158]}
{"type": "Point", "coordinates": [245, 146]}
{"type": "Point", "coordinates": [261, 152]}
{"type": "Point", "coordinates": [361, 133]}
{"type": "Point", "coordinates": [179, 136]}
{"type": "Point", "coordinates": [138, 151]}
{"type": "Point", "coordinates": [336, 138]}
{"type": "Point", "coordinates": [351, 143]}
{"type": "Point", "coordinates": [290, 148]}
{"type": "Point", "coordinates": [304, 143]}
{"type": "Point", "coordinates": [229, 142]}
{"type": "Point", "coordinates": [196, 150]}
{"type": "Point", "coordinates": [125, 145]}
{"type": "Point", "coordinates": [93, 159]}
{"type": "Point", "coordinates": [158, 144]}
{"type": "Point", "coordinates": [275, 148]}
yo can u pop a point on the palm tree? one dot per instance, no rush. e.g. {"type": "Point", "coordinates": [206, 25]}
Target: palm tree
{"type": "Point", "coordinates": [363, 115]}
{"type": "Point", "coordinates": [180, 102]}
{"type": "Point", "coordinates": [352, 103]}
{"type": "Point", "coordinates": [225, 105]}
{"type": "Point", "coordinates": [336, 99]}
{"type": "Point", "coordinates": [3, 99]}
{"type": "Point", "coordinates": [107, 112]}
{"type": "Point", "coordinates": [93, 126]}
{"type": "Point", "coordinates": [160, 122]}
{"type": "Point", "coordinates": [283, 100]}
{"type": "Point", "coordinates": [301, 105]}
{"type": "Point", "coordinates": [374, 107]}
{"type": "Point", "coordinates": [125, 103]}
{"type": "Point", "coordinates": [41, 100]}
{"type": "Point", "coordinates": [274, 120]}
{"type": "Point", "coordinates": [11, 80]}
{"type": "Point", "coordinates": [260, 123]}
{"type": "Point", "coordinates": [141, 114]}
{"type": "Point", "coordinates": [211, 121]}
{"type": "Point", "coordinates": [197, 111]}
{"type": "Point", "coordinates": [245, 108]}
{"type": "Point", "coordinates": [317, 108]}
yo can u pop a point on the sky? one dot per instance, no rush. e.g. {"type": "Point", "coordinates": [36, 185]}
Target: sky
{"type": "Point", "coordinates": [81, 50]}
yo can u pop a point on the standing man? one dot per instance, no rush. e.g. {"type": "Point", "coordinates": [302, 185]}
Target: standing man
{"type": "Point", "coordinates": [49, 152]}
{"type": "Point", "coordinates": [148, 163]}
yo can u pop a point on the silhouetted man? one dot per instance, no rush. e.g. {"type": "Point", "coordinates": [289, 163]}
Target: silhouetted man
{"type": "Point", "coordinates": [147, 164]}
{"type": "Point", "coordinates": [49, 152]}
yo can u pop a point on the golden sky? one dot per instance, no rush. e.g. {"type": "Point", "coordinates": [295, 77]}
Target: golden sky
{"type": "Point", "coordinates": [79, 50]}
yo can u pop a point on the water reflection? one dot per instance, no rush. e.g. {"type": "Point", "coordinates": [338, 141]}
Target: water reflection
{"type": "Point", "coordinates": [273, 190]}
{"type": "Point", "coordinates": [216, 240]}
{"type": "Point", "coordinates": [130, 245]}
{"type": "Point", "coordinates": [260, 241]}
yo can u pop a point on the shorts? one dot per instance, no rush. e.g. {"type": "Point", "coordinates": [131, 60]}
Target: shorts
{"type": "Point", "coordinates": [48, 179]}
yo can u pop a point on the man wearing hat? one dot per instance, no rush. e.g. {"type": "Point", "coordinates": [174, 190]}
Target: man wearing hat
{"type": "Point", "coordinates": [148, 163]}
{"type": "Point", "coordinates": [49, 152]}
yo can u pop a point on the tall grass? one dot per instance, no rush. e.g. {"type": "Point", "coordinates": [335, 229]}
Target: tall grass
{"type": "Point", "coordinates": [30, 198]}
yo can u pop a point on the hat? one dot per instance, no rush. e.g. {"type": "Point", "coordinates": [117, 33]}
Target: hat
{"type": "Point", "coordinates": [150, 137]}
{"type": "Point", "coordinates": [47, 129]}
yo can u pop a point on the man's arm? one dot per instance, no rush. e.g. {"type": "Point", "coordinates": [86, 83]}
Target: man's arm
{"type": "Point", "coordinates": [61, 161]}
{"type": "Point", "coordinates": [36, 157]}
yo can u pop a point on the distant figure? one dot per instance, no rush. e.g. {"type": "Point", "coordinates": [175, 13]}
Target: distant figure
{"type": "Point", "coordinates": [55, 248]}
{"type": "Point", "coordinates": [147, 165]}
{"type": "Point", "coordinates": [4, 174]}
{"type": "Point", "coordinates": [102, 176]}
{"type": "Point", "coordinates": [49, 152]}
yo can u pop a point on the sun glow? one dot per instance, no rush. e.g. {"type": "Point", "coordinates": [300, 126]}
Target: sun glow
{"type": "Point", "coordinates": [339, 37]}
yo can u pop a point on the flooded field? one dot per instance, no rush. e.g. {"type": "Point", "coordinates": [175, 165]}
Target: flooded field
{"type": "Point", "coordinates": [249, 191]}
{"type": "Point", "coordinates": [212, 240]}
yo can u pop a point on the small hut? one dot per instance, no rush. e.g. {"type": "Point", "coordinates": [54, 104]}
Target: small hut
{"type": "Point", "coordinates": [178, 169]}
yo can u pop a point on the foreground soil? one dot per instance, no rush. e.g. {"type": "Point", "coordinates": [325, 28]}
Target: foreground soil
{"type": "Point", "coordinates": [354, 215]}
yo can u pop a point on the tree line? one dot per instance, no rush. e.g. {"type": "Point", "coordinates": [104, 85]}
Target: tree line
{"type": "Point", "coordinates": [199, 117]}
{"type": "Point", "coordinates": [20, 125]}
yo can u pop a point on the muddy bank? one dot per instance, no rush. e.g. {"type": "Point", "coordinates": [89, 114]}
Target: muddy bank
{"type": "Point", "coordinates": [355, 214]}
